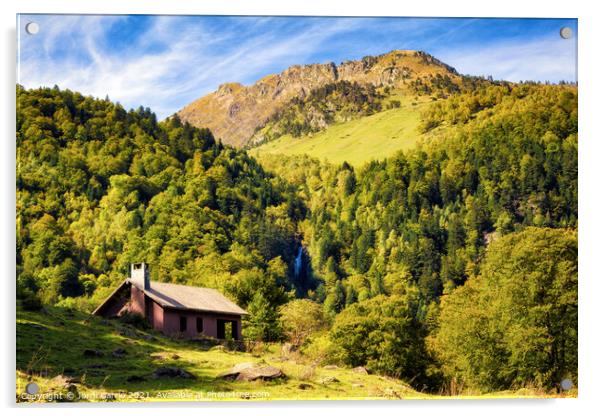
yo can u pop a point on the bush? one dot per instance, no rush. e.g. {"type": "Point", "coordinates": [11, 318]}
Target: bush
{"type": "Point", "coordinates": [384, 335]}
{"type": "Point", "coordinates": [515, 324]}
{"type": "Point", "coordinates": [262, 324]}
{"type": "Point", "coordinates": [29, 300]}
{"type": "Point", "coordinates": [320, 349]}
{"type": "Point", "coordinates": [300, 318]}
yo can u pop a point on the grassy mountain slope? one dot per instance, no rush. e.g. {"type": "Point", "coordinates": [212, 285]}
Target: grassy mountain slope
{"type": "Point", "coordinates": [42, 356]}
{"type": "Point", "coordinates": [373, 137]}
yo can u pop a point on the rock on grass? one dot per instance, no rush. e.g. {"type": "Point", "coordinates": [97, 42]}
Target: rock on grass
{"type": "Point", "coordinates": [172, 372]}
{"type": "Point", "coordinates": [252, 371]}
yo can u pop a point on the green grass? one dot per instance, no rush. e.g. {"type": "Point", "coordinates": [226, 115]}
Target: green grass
{"type": "Point", "coordinates": [51, 343]}
{"type": "Point", "coordinates": [358, 141]}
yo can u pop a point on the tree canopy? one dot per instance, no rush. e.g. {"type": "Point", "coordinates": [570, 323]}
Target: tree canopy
{"type": "Point", "coordinates": [516, 323]}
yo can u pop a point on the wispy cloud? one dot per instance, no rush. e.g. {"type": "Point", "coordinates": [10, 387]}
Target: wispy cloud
{"type": "Point", "coordinates": [537, 60]}
{"type": "Point", "coordinates": [165, 62]}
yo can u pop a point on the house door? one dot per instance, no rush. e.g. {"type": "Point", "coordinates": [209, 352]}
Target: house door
{"type": "Point", "coordinates": [148, 309]}
{"type": "Point", "coordinates": [227, 329]}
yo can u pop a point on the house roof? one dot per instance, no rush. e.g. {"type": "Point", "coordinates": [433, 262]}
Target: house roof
{"type": "Point", "coordinates": [174, 296]}
{"type": "Point", "coordinates": [183, 297]}
{"type": "Point", "coordinates": [118, 289]}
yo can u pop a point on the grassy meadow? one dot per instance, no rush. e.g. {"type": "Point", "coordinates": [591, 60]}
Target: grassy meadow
{"type": "Point", "coordinates": [357, 141]}
{"type": "Point", "coordinates": [52, 342]}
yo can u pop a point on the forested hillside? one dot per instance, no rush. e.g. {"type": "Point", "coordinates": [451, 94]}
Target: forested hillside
{"type": "Point", "coordinates": [413, 266]}
{"type": "Point", "coordinates": [99, 187]}
{"type": "Point", "coordinates": [392, 239]}
{"type": "Point", "coordinates": [427, 214]}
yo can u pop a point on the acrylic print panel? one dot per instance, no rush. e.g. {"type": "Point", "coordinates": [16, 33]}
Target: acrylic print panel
{"type": "Point", "coordinates": [278, 208]}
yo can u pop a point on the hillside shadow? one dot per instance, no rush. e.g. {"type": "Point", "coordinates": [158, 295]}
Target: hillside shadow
{"type": "Point", "coordinates": [103, 353]}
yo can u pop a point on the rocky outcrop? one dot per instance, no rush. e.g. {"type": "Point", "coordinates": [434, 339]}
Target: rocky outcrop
{"type": "Point", "coordinates": [360, 370]}
{"type": "Point", "coordinates": [252, 371]}
{"type": "Point", "coordinates": [234, 112]}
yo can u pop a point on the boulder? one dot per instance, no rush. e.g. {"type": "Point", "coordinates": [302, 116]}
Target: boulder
{"type": "Point", "coordinates": [64, 380]}
{"type": "Point", "coordinates": [171, 372]}
{"type": "Point", "coordinates": [252, 371]}
{"type": "Point", "coordinates": [232, 373]}
{"type": "Point", "coordinates": [305, 386]}
{"type": "Point", "coordinates": [329, 380]}
{"type": "Point", "coordinates": [360, 370]}
{"type": "Point", "coordinates": [119, 353]}
{"type": "Point", "coordinates": [90, 353]}
{"type": "Point", "coordinates": [266, 372]}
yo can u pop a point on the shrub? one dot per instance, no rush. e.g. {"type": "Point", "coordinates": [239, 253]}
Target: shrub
{"type": "Point", "coordinates": [300, 318]}
{"type": "Point", "coordinates": [516, 323]}
{"type": "Point", "coordinates": [384, 335]}
{"type": "Point", "coordinates": [320, 349]}
{"type": "Point", "coordinates": [29, 300]}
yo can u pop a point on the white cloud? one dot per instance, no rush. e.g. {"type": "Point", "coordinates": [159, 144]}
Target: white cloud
{"type": "Point", "coordinates": [540, 59]}
{"type": "Point", "coordinates": [177, 60]}
{"type": "Point", "coordinates": [191, 65]}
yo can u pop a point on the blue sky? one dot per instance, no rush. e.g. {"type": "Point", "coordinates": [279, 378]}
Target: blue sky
{"type": "Point", "coordinates": [165, 62]}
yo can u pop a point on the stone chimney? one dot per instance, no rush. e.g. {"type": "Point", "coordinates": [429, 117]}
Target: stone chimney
{"type": "Point", "coordinates": [140, 275]}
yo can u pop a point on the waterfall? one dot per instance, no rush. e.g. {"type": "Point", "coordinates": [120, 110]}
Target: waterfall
{"type": "Point", "coordinates": [298, 262]}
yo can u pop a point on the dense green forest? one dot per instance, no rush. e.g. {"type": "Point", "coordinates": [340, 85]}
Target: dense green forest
{"type": "Point", "coordinates": [99, 187]}
{"type": "Point", "coordinates": [432, 265]}
{"type": "Point", "coordinates": [411, 229]}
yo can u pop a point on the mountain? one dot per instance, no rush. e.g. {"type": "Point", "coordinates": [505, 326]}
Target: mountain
{"type": "Point", "coordinates": [235, 112]}
{"type": "Point", "coordinates": [404, 248]}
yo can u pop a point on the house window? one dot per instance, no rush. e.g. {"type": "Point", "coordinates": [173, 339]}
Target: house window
{"type": "Point", "coordinates": [199, 324]}
{"type": "Point", "coordinates": [183, 323]}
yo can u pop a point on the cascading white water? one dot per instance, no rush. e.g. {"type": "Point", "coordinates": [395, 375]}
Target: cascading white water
{"type": "Point", "coordinates": [298, 262]}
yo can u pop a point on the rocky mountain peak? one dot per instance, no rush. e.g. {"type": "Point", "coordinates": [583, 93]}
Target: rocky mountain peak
{"type": "Point", "coordinates": [234, 111]}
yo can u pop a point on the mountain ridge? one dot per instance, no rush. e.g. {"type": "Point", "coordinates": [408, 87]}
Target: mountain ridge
{"type": "Point", "coordinates": [234, 112]}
